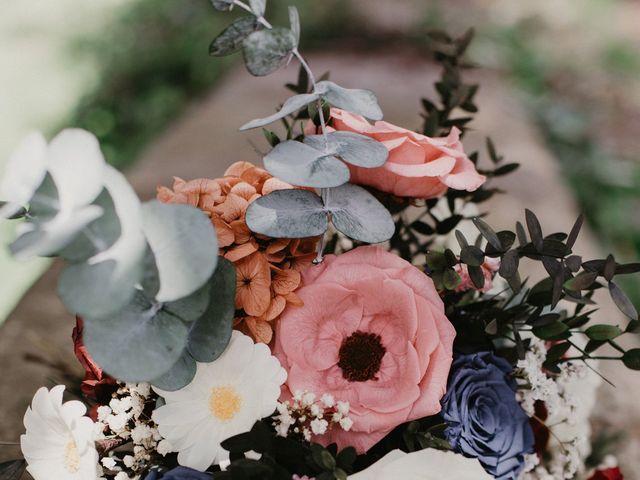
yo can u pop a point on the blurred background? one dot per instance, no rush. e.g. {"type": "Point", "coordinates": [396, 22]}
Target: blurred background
{"type": "Point", "coordinates": [560, 93]}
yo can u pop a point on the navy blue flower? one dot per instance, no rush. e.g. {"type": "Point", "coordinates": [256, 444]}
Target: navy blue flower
{"type": "Point", "coordinates": [179, 473]}
{"type": "Point", "coordinates": [484, 418]}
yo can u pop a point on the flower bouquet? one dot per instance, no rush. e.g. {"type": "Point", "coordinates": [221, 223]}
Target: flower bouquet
{"type": "Point", "coordinates": [343, 312]}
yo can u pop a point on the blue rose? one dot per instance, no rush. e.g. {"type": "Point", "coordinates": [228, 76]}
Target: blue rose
{"type": "Point", "coordinates": [179, 473]}
{"type": "Point", "coordinates": [484, 419]}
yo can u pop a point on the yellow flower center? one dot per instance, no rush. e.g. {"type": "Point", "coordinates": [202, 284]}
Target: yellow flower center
{"type": "Point", "coordinates": [224, 403]}
{"type": "Point", "coordinates": [71, 457]}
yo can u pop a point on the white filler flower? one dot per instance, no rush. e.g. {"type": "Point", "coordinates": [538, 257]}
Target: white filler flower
{"type": "Point", "coordinates": [225, 398]}
{"type": "Point", "coordinates": [428, 464]}
{"type": "Point", "coordinates": [60, 440]}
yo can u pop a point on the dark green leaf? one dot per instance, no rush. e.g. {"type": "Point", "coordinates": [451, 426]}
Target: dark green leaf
{"type": "Point", "coordinates": [593, 345]}
{"type": "Point", "coordinates": [573, 262]}
{"type": "Point", "coordinates": [557, 351]}
{"type": "Point", "coordinates": [603, 332]}
{"type": "Point", "coordinates": [505, 169]}
{"type": "Point", "coordinates": [622, 301]}
{"type": "Point", "coordinates": [509, 264]}
{"type": "Point", "coordinates": [575, 230]}
{"type": "Point", "coordinates": [581, 282]}
{"type": "Point", "coordinates": [450, 279]}
{"type": "Point", "coordinates": [477, 276]}
{"type": "Point", "coordinates": [488, 233]}
{"type": "Point", "coordinates": [492, 327]}
{"type": "Point", "coordinates": [461, 240]}
{"type": "Point", "coordinates": [535, 231]}
{"type": "Point", "coordinates": [448, 224]}
{"type": "Point", "coordinates": [423, 228]}
{"type": "Point", "coordinates": [609, 268]}
{"type": "Point", "coordinates": [472, 256]}
{"type": "Point", "coordinates": [230, 40]}
{"type": "Point", "coordinates": [550, 332]}
{"type": "Point", "coordinates": [493, 154]}
{"type": "Point", "coordinates": [12, 470]}
{"type": "Point", "coordinates": [631, 359]}
{"type": "Point", "coordinates": [522, 235]}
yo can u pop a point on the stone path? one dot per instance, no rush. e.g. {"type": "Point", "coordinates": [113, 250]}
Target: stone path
{"type": "Point", "coordinates": [205, 140]}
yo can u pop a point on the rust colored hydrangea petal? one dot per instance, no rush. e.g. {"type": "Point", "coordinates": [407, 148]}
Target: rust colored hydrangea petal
{"type": "Point", "coordinates": [276, 307]}
{"type": "Point", "coordinates": [241, 251]}
{"type": "Point", "coordinates": [237, 169]}
{"type": "Point", "coordinates": [277, 245]}
{"type": "Point", "coordinates": [302, 262]}
{"type": "Point", "coordinates": [165, 195]}
{"type": "Point", "coordinates": [225, 233]}
{"type": "Point", "coordinates": [294, 300]}
{"type": "Point", "coordinates": [232, 209]}
{"type": "Point", "coordinates": [244, 190]}
{"type": "Point", "coordinates": [241, 231]}
{"type": "Point", "coordinates": [285, 281]}
{"type": "Point", "coordinates": [253, 279]}
{"type": "Point", "coordinates": [259, 330]}
{"type": "Point", "coordinates": [255, 176]}
{"type": "Point", "coordinates": [273, 184]}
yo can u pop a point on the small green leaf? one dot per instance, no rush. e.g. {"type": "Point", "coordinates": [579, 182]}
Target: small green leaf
{"type": "Point", "coordinates": [288, 214]}
{"type": "Point", "coordinates": [631, 359]}
{"type": "Point", "coordinates": [603, 332]}
{"type": "Point", "coordinates": [472, 256]}
{"type": "Point", "coordinates": [265, 51]}
{"type": "Point", "coordinates": [258, 7]}
{"type": "Point", "coordinates": [359, 215]}
{"type": "Point", "coordinates": [581, 282]}
{"type": "Point", "coordinates": [353, 148]}
{"type": "Point", "coordinates": [535, 230]}
{"type": "Point", "coordinates": [488, 233]}
{"type": "Point", "coordinates": [550, 332]}
{"type": "Point", "coordinates": [305, 166]}
{"type": "Point", "coordinates": [451, 280]}
{"type": "Point", "coordinates": [184, 245]}
{"type": "Point", "coordinates": [292, 105]}
{"type": "Point", "coordinates": [609, 268]}
{"type": "Point", "coordinates": [360, 102]}
{"type": "Point", "coordinates": [231, 38]}
{"type": "Point", "coordinates": [557, 351]}
{"type": "Point", "coordinates": [509, 264]}
{"type": "Point", "coordinates": [477, 276]}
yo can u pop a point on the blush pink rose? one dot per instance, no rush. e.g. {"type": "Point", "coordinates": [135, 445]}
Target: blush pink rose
{"type": "Point", "coordinates": [489, 267]}
{"type": "Point", "coordinates": [372, 332]}
{"type": "Point", "coordinates": [418, 166]}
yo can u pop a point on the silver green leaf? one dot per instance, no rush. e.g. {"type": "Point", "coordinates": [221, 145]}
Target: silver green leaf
{"type": "Point", "coordinates": [288, 214]}
{"type": "Point", "coordinates": [360, 102]}
{"type": "Point", "coordinates": [359, 215]}
{"type": "Point", "coordinates": [190, 308]}
{"type": "Point", "coordinates": [265, 51]}
{"type": "Point", "coordinates": [106, 282]}
{"type": "Point", "coordinates": [231, 38]}
{"type": "Point", "coordinates": [353, 148]}
{"type": "Point", "coordinates": [222, 5]}
{"type": "Point", "coordinates": [137, 344]}
{"type": "Point", "coordinates": [302, 165]}
{"type": "Point", "coordinates": [294, 20]}
{"type": "Point", "coordinates": [292, 105]}
{"type": "Point", "coordinates": [210, 334]}
{"type": "Point", "coordinates": [258, 7]}
{"type": "Point", "coordinates": [99, 235]}
{"type": "Point", "coordinates": [178, 376]}
{"type": "Point", "coordinates": [185, 247]}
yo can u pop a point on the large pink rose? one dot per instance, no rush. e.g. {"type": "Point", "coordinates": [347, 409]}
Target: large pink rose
{"type": "Point", "coordinates": [372, 332]}
{"type": "Point", "coordinates": [418, 166]}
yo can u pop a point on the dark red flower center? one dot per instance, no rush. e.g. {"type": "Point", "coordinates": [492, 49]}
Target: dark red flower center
{"type": "Point", "coordinates": [361, 356]}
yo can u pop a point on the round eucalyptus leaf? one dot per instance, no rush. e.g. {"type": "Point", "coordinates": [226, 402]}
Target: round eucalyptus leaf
{"type": "Point", "coordinates": [353, 148]}
{"type": "Point", "coordinates": [360, 102]}
{"type": "Point", "coordinates": [288, 214]}
{"type": "Point", "coordinates": [294, 21]}
{"type": "Point", "coordinates": [178, 376]}
{"type": "Point", "coordinates": [302, 165]}
{"type": "Point", "coordinates": [137, 344]}
{"type": "Point", "coordinates": [231, 38]}
{"type": "Point", "coordinates": [99, 235]}
{"type": "Point", "coordinates": [106, 282]}
{"type": "Point", "coordinates": [185, 247]}
{"type": "Point", "coordinates": [265, 51]}
{"type": "Point", "coordinates": [292, 105]}
{"type": "Point", "coordinates": [359, 215]}
{"type": "Point", "coordinates": [222, 5]}
{"type": "Point", "coordinates": [210, 334]}
{"type": "Point", "coordinates": [192, 307]}
{"type": "Point", "coordinates": [258, 7]}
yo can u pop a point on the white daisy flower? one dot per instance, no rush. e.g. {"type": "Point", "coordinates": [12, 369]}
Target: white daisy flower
{"type": "Point", "coordinates": [59, 441]}
{"type": "Point", "coordinates": [225, 398]}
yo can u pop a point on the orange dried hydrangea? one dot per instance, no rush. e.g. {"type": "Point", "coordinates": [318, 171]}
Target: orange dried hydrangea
{"type": "Point", "coordinates": [267, 269]}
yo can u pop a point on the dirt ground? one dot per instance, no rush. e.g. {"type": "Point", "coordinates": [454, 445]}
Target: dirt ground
{"type": "Point", "coordinates": [205, 140]}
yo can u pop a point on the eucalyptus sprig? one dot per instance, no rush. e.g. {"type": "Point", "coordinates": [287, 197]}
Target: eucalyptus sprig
{"type": "Point", "coordinates": [314, 161]}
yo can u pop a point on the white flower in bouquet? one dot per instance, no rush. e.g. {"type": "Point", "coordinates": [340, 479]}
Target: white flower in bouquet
{"type": "Point", "coordinates": [225, 398]}
{"type": "Point", "coordinates": [428, 464]}
{"type": "Point", "coordinates": [60, 440]}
